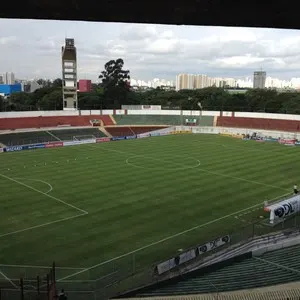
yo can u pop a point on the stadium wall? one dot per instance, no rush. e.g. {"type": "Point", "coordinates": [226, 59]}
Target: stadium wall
{"type": "Point", "coordinates": [56, 113]}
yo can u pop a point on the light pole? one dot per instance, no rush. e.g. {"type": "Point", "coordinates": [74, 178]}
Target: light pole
{"type": "Point", "coordinates": [200, 106]}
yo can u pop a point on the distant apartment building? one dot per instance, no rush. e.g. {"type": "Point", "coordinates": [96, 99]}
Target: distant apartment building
{"type": "Point", "coordinates": [85, 85]}
{"type": "Point", "coordinates": [189, 81]}
{"type": "Point", "coordinates": [8, 78]}
{"type": "Point", "coordinates": [259, 79]}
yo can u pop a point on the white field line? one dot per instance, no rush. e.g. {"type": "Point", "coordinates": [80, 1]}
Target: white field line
{"type": "Point", "coordinates": [161, 241]}
{"type": "Point", "coordinates": [47, 195]}
{"type": "Point", "coordinates": [204, 170]}
{"type": "Point", "coordinates": [41, 225]}
{"type": "Point", "coordinates": [40, 267]}
{"type": "Point", "coordinates": [38, 180]}
{"type": "Point", "coordinates": [9, 280]}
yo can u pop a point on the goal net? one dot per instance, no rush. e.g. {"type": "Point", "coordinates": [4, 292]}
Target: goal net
{"type": "Point", "coordinates": [83, 137]}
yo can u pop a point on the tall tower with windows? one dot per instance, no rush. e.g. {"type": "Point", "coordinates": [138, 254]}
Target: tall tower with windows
{"type": "Point", "coordinates": [69, 75]}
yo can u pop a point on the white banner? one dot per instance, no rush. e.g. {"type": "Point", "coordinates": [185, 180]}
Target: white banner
{"type": "Point", "coordinates": [214, 244]}
{"type": "Point", "coordinates": [72, 143]}
{"type": "Point", "coordinates": [186, 256]}
{"type": "Point", "coordinates": [166, 266]}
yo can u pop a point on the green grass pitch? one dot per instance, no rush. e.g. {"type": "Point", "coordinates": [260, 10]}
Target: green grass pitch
{"type": "Point", "coordinates": [94, 209]}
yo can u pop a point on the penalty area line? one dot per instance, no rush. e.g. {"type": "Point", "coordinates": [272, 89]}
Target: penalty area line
{"type": "Point", "coordinates": [47, 195]}
{"type": "Point", "coordinates": [159, 242]}
{"type": "Point", "coordinates": [41, 225]}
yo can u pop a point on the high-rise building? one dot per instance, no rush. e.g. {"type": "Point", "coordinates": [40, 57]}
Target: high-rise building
{"type": "Point", "coordinates": [7, 78]}
{"type": "Point", "coordinates": [259, 79]}
{"type": "Point", "coordinates": [69, 75]}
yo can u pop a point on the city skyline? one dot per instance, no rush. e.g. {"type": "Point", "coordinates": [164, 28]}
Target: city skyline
{"type": "Point", "coordinates": [149, 51]}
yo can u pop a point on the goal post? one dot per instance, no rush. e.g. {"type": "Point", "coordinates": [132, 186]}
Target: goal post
{"type": "Point", "coordinates": [83, 137]}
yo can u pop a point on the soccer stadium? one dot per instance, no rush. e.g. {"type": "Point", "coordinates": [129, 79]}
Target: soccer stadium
{"type": "Point", "coordinates": [149, 203]}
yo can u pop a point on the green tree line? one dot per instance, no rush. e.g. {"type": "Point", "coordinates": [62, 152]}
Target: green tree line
{"type": "Point", "coordinates": [114, 91]}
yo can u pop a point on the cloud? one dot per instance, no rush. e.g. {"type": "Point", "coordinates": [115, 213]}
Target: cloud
{"type": "Point", "coordinates": [31, 47]}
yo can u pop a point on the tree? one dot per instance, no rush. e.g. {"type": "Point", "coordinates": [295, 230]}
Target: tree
{"type": "Point", "coordinates": [51, 101]}
{"type": "Point", "coordinates": [115, 82]}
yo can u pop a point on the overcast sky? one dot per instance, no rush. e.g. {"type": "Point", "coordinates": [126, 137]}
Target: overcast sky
{"type": "Point", "coordinates": [32, 48]}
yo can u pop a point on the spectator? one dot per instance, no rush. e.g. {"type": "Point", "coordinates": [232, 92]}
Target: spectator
{"type": "Point", "coordinates": [62, 295]}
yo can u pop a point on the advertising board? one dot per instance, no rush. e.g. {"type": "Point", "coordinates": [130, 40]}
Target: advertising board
{"type": "Point", "coordinates": [214, 244]}
{"type": "Point", "coordinates": [54, 144]}
{"type": "Point", "coordinates": [130, 137]}
{"type": "Point", "coordinates": [88, 141]}
{"type": "Point", "coordinates": [118, 138]}
{"type": "Point", "coordinates": [13, 148]}
{"type": "Point", "coordinates": [297, 144]}
{"type": "Point", "coordinates": [33, 146]}
{"type": "Point", "coordinates": [164, 133]}
{"type": "Point", "coordinates": [287, 141]}
{"type": "Point", "coordinates": [155, 134]}
{"type": "Point", "coordinates": [143, 135]}
{"type": "Point", "coordinates": [191, 254]}
{"type": "Point", "coordinates": [102, 140]}
{"type": "Point", "coordinates": [270, 140]}
{"type": "Point", "coordinates": [281, 210]}
{"type": "Point", "coordinates": [72, 143]}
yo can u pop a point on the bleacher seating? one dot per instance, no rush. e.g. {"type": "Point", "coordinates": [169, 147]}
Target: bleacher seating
{"type": "Point", "coordinates": [23, 138]}
{"type": "Point", "coordinates": [247, 274]}
{"type": "Point", "coordinates": [256, 123]}
{"type": "Point", "coordinates": [68, 134]}
{"type": "Point", "coordinates": [40, 122]}
{"type": "Point", "coordinates": [159, 120]}
{"type": "Point", "coordinates": [126, 130]}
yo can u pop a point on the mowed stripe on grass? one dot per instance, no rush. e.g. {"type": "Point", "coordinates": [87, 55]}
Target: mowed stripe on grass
{"type": "Point", "coordinates": [130, 207]}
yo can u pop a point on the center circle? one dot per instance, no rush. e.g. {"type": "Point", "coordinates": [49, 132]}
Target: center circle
{"type": "Point", "coordinates": [172, 164]}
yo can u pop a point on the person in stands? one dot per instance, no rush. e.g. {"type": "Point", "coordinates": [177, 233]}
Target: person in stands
{"type": "Point", "coordinates": [62, 295]}
{"type": "Point", "coordinates": [295, 189]}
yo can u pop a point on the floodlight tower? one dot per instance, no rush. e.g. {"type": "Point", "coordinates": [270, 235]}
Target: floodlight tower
{"type": "Point", "coordinates": [69, 75]}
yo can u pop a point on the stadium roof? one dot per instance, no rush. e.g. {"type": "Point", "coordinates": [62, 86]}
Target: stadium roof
{"type": "Point", "coordinates": [280, 14]}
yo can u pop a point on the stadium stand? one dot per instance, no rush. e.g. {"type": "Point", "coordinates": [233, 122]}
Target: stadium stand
{"type": "Point", "coordinates": [159, 120]}
{"type": "Point", "coordinates": [40, 122]}
{"type": "Point", "coordinates": [24, 138]}
{"type": "Point", "coordinates": [259, 123]}
{"type": "Point", "coordinates": [277, 267]}
{"type": "Point", "coordinates": [133, 130]}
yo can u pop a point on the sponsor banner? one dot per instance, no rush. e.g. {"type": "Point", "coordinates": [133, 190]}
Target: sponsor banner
{"type": "Point", "coordinates": [165, 133]}
{"type": "Point", "coordinates": [297, 144]}
{"type": "Point", "coordinates": [155, 134]}
{"type": "Point", "coordinates": [287, 141]}
{"type": "Point", "coordinates": [1, 150]}
{"type": "Point", "coordinates": [118, 138]}
{"type": "Point", "coordinates": [283, 209]}
{"type": "Point", "coordinates": [13, 148]}
{"type": "Point", "coordinates": [214, 244]}
{"type": "Point", "coordinates": [270, 140]}
{"type": "Point", "coordinates": [101, 140]}
{"type": "Point", "coordinates": [34, 146]}
{"type": "Point", "coordinates": [54, 145]}
{"type": "Point", "coordinates": [72, 143]}
{"type": "Point", "coordinates": [130, 137]}
{"type": "Point", "coordinates": [176, 261]}
{"type": "Point", "coordinates": [143, 135]}
{"type": "Point", "coordinates": [191, 254]}
{"type": "Point", "coordinates": [260, 141]}
{"type": "Point", "coordinates": [88, 141]}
